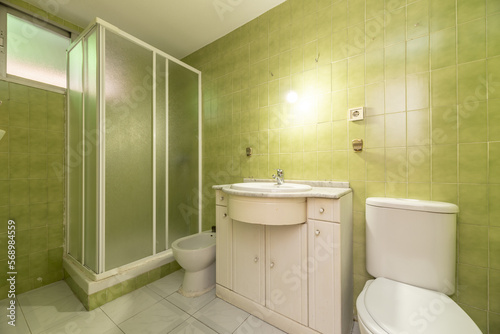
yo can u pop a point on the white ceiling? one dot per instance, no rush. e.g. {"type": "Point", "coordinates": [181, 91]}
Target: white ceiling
{"type": "Point", "coordinates": [177, 27]}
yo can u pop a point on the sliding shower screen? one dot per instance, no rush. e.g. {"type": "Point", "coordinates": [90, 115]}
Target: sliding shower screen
{"type": "Point", "coordinates": [133, 149]}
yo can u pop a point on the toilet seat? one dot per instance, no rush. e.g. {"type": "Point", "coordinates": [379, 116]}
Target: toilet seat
{"type": "Point", "coordinates": [389, 307]}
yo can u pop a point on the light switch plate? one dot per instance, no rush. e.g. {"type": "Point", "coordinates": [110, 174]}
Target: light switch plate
{"type": "Point", "coordinates": [356, 114]}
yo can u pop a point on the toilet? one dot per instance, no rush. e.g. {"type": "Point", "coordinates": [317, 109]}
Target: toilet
{"type": "Point", "coordinates": [196, 254]}
{"type": "Point", "coordinates": [411, 250]}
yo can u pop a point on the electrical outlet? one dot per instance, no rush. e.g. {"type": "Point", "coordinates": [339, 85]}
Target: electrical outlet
{"type": "Point", "coordinates": [356, 114]}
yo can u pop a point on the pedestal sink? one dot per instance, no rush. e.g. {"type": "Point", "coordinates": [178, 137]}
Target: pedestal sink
{"type": "Point", "coordinates": [269, 187]}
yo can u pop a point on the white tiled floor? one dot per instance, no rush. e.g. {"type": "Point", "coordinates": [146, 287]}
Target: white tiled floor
{"type": "Point", "coordinates": [156, 308]}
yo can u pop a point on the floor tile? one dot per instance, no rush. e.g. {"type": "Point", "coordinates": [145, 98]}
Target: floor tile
{"type": "Point", "coordinates": [114, 330]}
{"type": "Point", "coordinates": [20, 328]}
{"type": "Point", "coordinates": [162, 317]}
{"type": "Point", "coordinates": [61, 310]}
{"type": "Point", "coordinates": [191, 305]}
{"type": "Point", "coordinates": [93, 322]}
{"type": "Point", "coordinates": [192, 326]}
{"type": "Point", "coordinates": [43, 296]}
{"type": "Point", "coordinates": [221, 316]}
{"type": "Point", "coordinates": [255, 325]}
{"type": "Point", "coordinates": [168, 284]}
{"type": "Point", "coordinates": [130, 304]}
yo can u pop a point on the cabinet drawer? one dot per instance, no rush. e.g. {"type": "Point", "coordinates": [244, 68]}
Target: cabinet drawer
{"type": "Point", "coordinates": [326, 209]}
{"type": "Point", "coordinates": [220, 198]}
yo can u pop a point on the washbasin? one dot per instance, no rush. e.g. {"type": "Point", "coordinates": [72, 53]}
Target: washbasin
{"type": "Point", "coordinates": [268, 187]}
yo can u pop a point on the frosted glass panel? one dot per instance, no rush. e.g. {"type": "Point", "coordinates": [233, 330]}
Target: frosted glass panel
{"type": "Point", "coordinates": [36, 53]}
{"type": "Point", "coordinates": [75, 149]}
{"type": "Point", "coordinates": [161, 172]}
{"type": "Point", "coordinates": [128, 149]}
{"type": "Point", "coordinates": [91, 137]}
{"type": "Point", "coordinates": [183, 138]}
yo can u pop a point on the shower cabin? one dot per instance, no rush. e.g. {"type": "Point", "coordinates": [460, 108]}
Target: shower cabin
{"type": "Point", "coordinates": [133, 152]}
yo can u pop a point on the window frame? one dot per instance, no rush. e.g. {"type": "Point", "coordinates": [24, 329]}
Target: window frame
{"type": "Point", "coordinates": [38, 21]}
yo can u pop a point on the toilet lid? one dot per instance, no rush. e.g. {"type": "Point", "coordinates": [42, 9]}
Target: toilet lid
{"type": "Point", "coordinates": [404, 309]}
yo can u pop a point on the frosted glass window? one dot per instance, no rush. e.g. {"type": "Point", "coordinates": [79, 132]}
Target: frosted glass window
{"type": "Point", "coordinates": [36, 53]}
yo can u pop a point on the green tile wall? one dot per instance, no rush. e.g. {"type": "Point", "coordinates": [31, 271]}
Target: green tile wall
{"type": "Point", "coordinates": [32, 174]}
{"type": "Point", "coordinates": [428, 73]}
{"type": "Point", "coordinates": [32, 183]}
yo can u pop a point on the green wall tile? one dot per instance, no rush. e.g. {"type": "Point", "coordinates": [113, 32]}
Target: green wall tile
{"type": "Point", "coordinates": [374, 8]}
{"type": "Point", "coordinates": [417, 87]}
{"type": "Point", "coordinates": [494, 322]}
{"type": "Point", "coordinates": [325, 165]}
{"type": "Point", "coordinates": [444, 163]}
{"type": "Point", "coordinates": [356, 39]}
{"type": "Point", "coordinates": [395, 61]}
{"type": "Point", "coordinates": [494, 162]}
{"type": "Point", "coordinates": [444, 125]}
{"type": "Point", "coordinates": [374, 66]}
{"type": "Point", "coordinates": [493, 207]}
{"type": "Point", "coordinates": [472, 286]}
{"type": "Point", "coordinates": [443, 48]}
{"type": "Point", "coordinates": [417, 19]}
{"type": "Point", "coordinates": [494, 244]}
{"type": "Point", "coordinates": [419, 191]}
{"type": "Point", "coordinates": [471, 81]}
{"type": "Point", "coordinates": [470, 9]}
{"type": "Point", "coordinates": [473, 122]}
{"type": "Point", "coordinates": [395, 129]}
{"type": "Point", "coordinates": [395, 26]}
{"type": "Point", "coordinates": [357, 165]}
{"type": "Point", "coordinates": [494, 291]}
{"type": "Point", "coordinates": [473, 245]}
{"type": "Point", "coordinates": [444, 85]}
{"type": "Point", "coordinates": [493, 75]}
{"type": "Point", "coordinates": [375, 131]}
{"type": "Point", "coordinates": [473, 204]}
{"type": "Point", "coordinates": [471, 41]}
{"type": "Point", "coordinates": [419, 131]}
{"type": "Point", "coordinates": [395, 95]}
{"type": "Point", "coordinates": [419, 165]}
{"type": "Point", "coordinates": [396, 162]}
{"type": "Point", "coordinates": [473, 163]}
{"type": "Point", "coordinates": [375, 164]}
{"type": "Point", "coordinates": [493, 34]}
{"type": "Point", "coordinates": [374, 33]}
{"type": "Point", "coordinates": [356, 71]}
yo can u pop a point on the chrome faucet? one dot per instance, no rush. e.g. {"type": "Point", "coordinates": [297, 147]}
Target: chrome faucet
{"type": "Point", "coordinates": [279, 177]}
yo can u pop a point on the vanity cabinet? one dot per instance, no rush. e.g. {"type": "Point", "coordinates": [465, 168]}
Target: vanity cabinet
{"type": "Point", "coordinates": [287, 260]}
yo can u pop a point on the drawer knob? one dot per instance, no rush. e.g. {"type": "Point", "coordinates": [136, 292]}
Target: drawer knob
{"type": "Point", "coordinates": [317, 232]}
{"type": "Point", "coordinates": [225, 215]}
{"type": "Point", "coordinates": [321, 210]}
{"type": "Point", "coordinates": [272, 265]}
{"type": "Point", "coordinates": [222, 198]}
{"type": "Point", "coordinates": [256, 259]}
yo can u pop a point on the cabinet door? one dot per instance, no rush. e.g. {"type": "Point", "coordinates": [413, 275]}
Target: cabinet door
{"type": "Point", "coordinates": [248, 261]}
{"type": "Point", "coordinates": [286, 264]}
{"type": "Point", "coordinates": [223, 263]}
{"type": "Point", "coordinates": [324, 277]}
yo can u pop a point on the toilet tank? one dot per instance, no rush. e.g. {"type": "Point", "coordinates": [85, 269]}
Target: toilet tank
{"type": "Point", "coordinates": [412, 241]}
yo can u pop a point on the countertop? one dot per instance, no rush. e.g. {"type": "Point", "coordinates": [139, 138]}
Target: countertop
{"type": "Point", "coordinates": [320, 189]}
